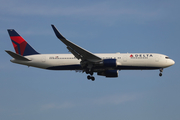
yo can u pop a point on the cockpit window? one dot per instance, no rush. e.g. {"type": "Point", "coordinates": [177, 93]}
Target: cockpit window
{"type": "Point", "coordinates": [167, 57]}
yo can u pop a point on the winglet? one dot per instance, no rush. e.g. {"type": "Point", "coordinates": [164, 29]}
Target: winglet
{"type": "Point", "coordinates": [58, 34]}
{"type": "Point", "coordinates": [17, 56]}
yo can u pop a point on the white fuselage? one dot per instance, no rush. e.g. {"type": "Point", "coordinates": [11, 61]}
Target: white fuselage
{"type": "Point", "coordinates": [126, 61]}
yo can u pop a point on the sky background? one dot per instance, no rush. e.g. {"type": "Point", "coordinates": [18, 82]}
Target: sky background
{"type": "Point", "coordinates": [100, 26]}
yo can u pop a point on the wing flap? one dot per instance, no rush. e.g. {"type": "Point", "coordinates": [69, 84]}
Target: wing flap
{"type": "Point", "coordinates": [78, 52]}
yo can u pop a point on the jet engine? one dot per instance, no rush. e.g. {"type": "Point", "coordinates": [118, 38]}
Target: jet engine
{"type": "Point", "coordinates": [109, 63]}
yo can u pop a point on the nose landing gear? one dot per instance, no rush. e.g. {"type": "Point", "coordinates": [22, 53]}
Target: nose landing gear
{"type": "Point", "coordinates": [161, 70]}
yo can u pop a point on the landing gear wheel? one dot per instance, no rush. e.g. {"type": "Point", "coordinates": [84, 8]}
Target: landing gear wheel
{"type": "Point", "coordinates": [160, 74]}
{"type": "Point", "coordinates": [92, 78]}
{"type": "Point", "coordinates": [88, 77]}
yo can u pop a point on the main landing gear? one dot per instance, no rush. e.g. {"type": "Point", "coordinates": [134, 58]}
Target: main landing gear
{"type": "Point", "coordinates": [161, 70]}
{"type": "Point", "coordinates": [90, 76]}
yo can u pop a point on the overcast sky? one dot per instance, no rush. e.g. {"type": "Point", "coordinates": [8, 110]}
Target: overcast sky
{"type": "Point", "coordinates": [103, 26]}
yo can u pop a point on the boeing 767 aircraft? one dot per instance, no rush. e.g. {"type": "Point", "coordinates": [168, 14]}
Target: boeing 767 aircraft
{"type": "Point", "coordinates": [106, 65]}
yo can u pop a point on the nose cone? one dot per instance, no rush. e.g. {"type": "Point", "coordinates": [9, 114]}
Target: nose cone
{"type": "Point", "coordinates": [171, 62]}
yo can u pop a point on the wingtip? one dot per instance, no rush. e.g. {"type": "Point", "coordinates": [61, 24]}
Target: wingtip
{"type": "Point", "coordinates": [57, 33]}
{"type": "Point", "coordinates": [55, 29]}
{"type": "Point", "coordinates": [52, 25]}
{"type": "Point", "coordinates": [6, 51]}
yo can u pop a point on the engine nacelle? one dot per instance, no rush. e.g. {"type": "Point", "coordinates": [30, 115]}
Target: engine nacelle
{"type": "Point", "coordinates": [109, 73]}
{"type": "Point", "coordinates": [110, 63]}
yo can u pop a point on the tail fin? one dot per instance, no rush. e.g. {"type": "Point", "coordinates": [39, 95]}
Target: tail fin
{"type": "Point", "coordinates": [20, 45]}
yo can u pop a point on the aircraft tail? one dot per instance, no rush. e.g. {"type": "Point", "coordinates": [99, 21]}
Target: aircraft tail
{"type": "Point", "coordinates": [20, 45]}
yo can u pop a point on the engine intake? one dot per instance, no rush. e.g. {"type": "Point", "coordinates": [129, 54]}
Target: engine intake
{"type": "Point", "coordinates": [110, 63]}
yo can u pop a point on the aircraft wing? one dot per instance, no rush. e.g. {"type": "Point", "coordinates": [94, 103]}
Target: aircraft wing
{"type": "Point", "coordinates": [77, 51]}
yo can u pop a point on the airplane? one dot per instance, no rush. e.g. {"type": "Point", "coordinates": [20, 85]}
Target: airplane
{"type": "Point", "coordinates": [82, 60]}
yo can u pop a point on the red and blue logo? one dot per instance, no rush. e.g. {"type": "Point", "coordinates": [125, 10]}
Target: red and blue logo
{"type": "Point", "coordinates": [20, 45]}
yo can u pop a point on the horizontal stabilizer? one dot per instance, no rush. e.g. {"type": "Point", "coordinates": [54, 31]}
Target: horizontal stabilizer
{"type": "Point", "coordinates": [17, 56]}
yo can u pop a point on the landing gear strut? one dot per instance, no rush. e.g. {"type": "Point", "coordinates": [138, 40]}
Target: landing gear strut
{"type": "Point", "coordinates": [161, 70]}
{"type": "Point", "coordinates": [88, 68]}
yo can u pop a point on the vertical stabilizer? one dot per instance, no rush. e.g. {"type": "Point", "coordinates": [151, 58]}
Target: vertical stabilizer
{"type": "Point", "coordinates": [20, 45]}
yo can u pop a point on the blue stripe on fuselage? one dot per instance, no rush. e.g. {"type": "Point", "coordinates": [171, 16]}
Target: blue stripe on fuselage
{"type": "Point", "coordinates": [66, 67]}
{"type": "Point", "coordinates": [78, 67]}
